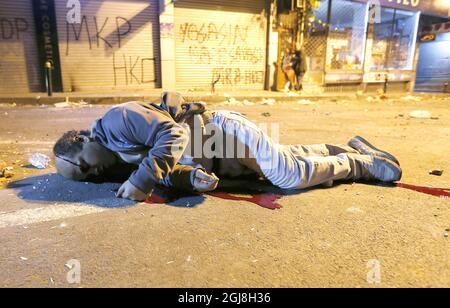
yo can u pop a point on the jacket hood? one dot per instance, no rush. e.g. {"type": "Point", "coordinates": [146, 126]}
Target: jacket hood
{"type": "Point", "coordinates": [178, 108]}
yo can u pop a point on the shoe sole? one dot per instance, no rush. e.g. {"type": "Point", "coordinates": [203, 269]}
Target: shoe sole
{"type": "Point", "coordinates": [392, 166]}
{"type": "Point", "coordinates": [372, 150]}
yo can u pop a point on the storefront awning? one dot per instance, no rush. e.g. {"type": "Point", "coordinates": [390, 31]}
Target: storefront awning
{"type": "Point", "coordinates": [429, 7]}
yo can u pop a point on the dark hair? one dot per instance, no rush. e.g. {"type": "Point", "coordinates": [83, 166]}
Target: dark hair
{"type": "Point", "coordinates": [70, 143]}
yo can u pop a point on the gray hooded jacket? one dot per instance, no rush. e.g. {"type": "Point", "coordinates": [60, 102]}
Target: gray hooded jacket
{"type": "Point", "coordinates": [136, 127]}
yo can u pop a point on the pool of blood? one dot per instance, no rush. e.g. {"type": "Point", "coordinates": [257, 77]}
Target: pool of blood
{"type": "Point", "coordinates": [265, 200]}
{"type": "Point", "coordinates": [437, 192]}
{"type": "Point", "coordinates": [270, 200]}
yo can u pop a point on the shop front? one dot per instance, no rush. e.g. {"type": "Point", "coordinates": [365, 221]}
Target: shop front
{"type": "Point", "coordinates": [220, 44]}
{"type": "Point", "coordinates": [369, 45]}
{"type": "Point", "coordinates": [346, 42]}
{"type": "Point", "coordinates": [433, 68]}
{"type": "Point", "coordinates": [391, 50]}
{"type": "Point", "coordinates": [113, 47]}
{"type": "Point", "coordinates": [19, 61]}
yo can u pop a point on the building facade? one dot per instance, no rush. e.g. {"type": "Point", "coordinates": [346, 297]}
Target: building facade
{"type": "Point", "coordinates": [137, 45]}
{"type": "Point", "coordinates": [366, 45]}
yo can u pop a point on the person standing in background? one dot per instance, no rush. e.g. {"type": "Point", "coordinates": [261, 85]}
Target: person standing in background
{"type": "Point", "coordinates": [299, 66]}
{"type": "Point", "coordinates": [288, 70]}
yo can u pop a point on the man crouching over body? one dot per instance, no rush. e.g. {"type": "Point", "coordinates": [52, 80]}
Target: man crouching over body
{"type": "Point", "coordinates": [156, 136]}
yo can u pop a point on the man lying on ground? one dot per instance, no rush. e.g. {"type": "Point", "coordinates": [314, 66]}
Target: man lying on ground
{"type": "Point", "coordinates": [156, 137]}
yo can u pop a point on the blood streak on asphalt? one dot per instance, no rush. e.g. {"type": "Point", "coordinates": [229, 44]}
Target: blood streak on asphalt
{"type": "Point", "coordinates": [269, 200]}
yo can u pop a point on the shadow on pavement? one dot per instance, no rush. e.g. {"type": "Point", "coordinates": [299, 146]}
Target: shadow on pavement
{"type": "Point", "coordinates": [53, 188]}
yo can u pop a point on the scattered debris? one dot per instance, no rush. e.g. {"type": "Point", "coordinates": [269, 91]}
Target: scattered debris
{"type": "Point", "coordinates": [65, 104]}
{"type": "Point", "coordinates": [411, 98]}
{"type": "Point", "coordinates": [61, 226]}
{"type": "Point", "coordinates": [247, 103]}
{"type": "Point", "coordinates": [354, 210]}
{"type": "Point", "coordinates": [68, 103]}
{"type": "Point", "coordinates": [170, 262]}
{"type": "Point", "coordinates": [232, 102]}
{"type": "Point", "coordinates": [81, 103]}
{"type": "Point", "coordinates": [420, 114]}
{"type": "Point", "coordinates": [40, 161]}
{"type": "Point", "coordinates": [268, 101]}
{"type": "Point", "coordinates": [305, 102]}
{"type": "Point", "coordinates": [437, 172]}
{"type": "Point", "coordinates": [446, 232]}
{"type": "Point", "coordinates": [6, 172]}
{"type": "Point", "coordinates": [23, 259]}
{"type": "Point", "coordinates": [189, 259]}
{"type": "Point", "coordinates": [378, 98]}
{"type": "Point", "coordinates": [266, 114]}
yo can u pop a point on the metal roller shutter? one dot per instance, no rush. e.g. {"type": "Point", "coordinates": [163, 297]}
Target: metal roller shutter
{"type": "Point", "coordinates": [19, 68]}
{"type": "Point", "coordinates": [220, 41]}
{"type": "Point", "coordinates": [433, 69]}
{"type": "Point", "coordinates": [115, 47]}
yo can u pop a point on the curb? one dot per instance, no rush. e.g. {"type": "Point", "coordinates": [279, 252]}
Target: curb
{"type": "Point", "coordinates": [113, 100]}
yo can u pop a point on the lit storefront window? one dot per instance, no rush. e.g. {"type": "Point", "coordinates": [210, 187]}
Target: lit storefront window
{"type": "Point", "coordinates": [346, 40]}
{"type": "Point", "coordinates": [391, 42]}
{"type": "Point", "coordinates": [316, 38]}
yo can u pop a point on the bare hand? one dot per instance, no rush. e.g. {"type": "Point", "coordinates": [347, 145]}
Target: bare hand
{"type": "Point", "coordinates": [131, 192]}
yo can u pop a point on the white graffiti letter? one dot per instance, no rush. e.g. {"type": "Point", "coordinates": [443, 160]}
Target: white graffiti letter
{"type": "Point", "coordinates": [74, 274]}
{"type": "Point", "coordinates": [74, 13]}
{"type": "Point", "coordinates": [374, 271]}
{"type": "Point", "coordinates": [374, 12]}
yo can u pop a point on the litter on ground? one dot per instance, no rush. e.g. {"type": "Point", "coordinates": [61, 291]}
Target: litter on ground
{"type": "Point", "coordinates": [40, 161]}
{"type": "Point", "coordinates": [420, 114]}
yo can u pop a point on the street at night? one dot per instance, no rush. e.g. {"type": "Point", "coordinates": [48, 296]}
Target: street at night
{"type": "Point", "coordinates": [320, 237]}
{"type": "Point", "coordinates": [224, 151]}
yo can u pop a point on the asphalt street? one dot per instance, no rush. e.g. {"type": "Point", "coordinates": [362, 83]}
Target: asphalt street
{"type": "Point", "coordinates": [320, 237]}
